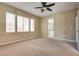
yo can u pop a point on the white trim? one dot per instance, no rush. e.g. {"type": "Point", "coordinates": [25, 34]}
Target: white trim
{"type": "Point", "coordinates": [65, 39]}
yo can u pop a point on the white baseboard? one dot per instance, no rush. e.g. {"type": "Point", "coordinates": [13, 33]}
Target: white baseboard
{"type": "Point", "coordinates": [17, 41]}
{"type": "Point", "coordinates": [65, 40]}
{"type": "Point", "coordinates": [61, 39]}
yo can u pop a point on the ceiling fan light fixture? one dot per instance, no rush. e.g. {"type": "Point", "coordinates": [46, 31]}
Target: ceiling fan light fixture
{"type": "Point", "coordinates": [45, 6]}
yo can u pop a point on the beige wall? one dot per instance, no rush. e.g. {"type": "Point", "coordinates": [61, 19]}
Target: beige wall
{"type": "Point", "coordinates": [64, 25]}
{"type": "Point", "coordinates": [9, 37]}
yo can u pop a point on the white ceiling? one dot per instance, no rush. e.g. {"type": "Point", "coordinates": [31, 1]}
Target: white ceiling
{"type": "Point", "coordinates": [30, 7]}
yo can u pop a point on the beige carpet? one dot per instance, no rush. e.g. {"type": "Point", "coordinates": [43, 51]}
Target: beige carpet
{"type": "Point", "coordinates": [38, 47]}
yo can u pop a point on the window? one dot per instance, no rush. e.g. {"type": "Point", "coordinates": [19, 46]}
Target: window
{"type": "Point", "coordinates": [32, 25]}
{"type": "Point", "coordinates": [22, 24]}
{"type": "Point", "coordinates": [19, 24]}
{"type": "Point", "coordinates": [26, 24]}
{"type": "Point", "coordinates": [10, 22]}
{"type": "Point", "coordinates": [51, 27]}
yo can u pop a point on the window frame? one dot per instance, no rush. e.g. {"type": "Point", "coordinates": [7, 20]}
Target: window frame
{"type": "Point", "coordinates": [6, 22]}
{"type": "Point", "coordinates": [28, 25]}
{"type": "Point", "coordinates": [23, 24]}
{"type": "Point", "coordinates": [16, 23]}
{"type": "Point", "coordinates": [31, 23]}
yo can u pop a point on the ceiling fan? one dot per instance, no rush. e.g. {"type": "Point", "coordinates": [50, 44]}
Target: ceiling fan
{"type": "Point", "coordinates": [45, 6]}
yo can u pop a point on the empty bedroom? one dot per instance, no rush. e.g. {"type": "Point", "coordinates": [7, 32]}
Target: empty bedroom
{"type": "Point", "coordinates": [39, 29]}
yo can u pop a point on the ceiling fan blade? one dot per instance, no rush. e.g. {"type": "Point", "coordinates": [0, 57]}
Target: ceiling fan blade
{"type": "Point", "coordinates": [49, 9]}
{"type": "Point", "coordinates": [43, 4]}
{"type": "Point", "coordinates": [50, 5]}
{"type": "Point", "coordinates": [38, 7]}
